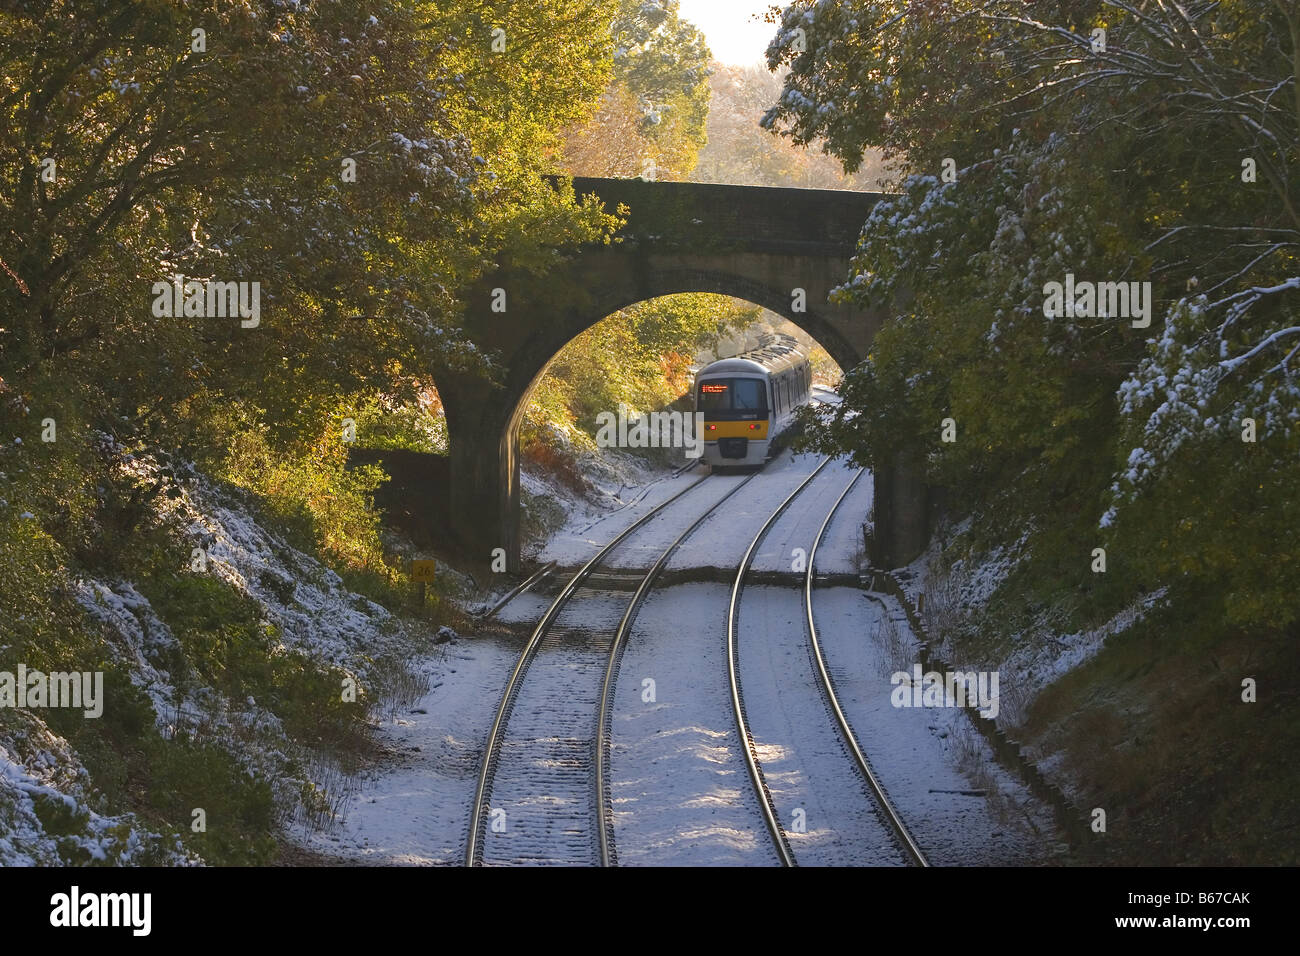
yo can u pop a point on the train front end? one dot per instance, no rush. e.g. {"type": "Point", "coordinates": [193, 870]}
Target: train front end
{"type": "Point", "coordinates": [736, 420]}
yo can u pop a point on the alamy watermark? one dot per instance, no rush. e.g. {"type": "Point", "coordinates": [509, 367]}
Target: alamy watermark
{"type": "Point", "coordinates": [75, 909]}
{"type": "Point", "coordinates": [84, 689]}
{"type": "Point", "coordinates": [1098, 300]}
{"type": "Point", "coordinates": [208, 299]}
{"type": "Point", "coordinates": [951, 689]}
{"type": "Point", "coordinates": [655, 430]}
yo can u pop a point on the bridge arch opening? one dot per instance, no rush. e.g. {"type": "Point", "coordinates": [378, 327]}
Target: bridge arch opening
{"type": "Point", "coordinates": [643, 356]}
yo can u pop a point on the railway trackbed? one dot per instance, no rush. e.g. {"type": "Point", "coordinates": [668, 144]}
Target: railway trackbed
{"type": "Point", "coordinates": [545, 756]}
{"type": "Point", "coordinates": [880, 803]}
{"type": "Point", "coordinates": [543, 793]}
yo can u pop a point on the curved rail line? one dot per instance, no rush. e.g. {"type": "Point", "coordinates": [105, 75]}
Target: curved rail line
{"type": "Point", "coordinates": [604, 815]}
{"type": "Point", "coordinates": [517, 590]}
{"type": "Point", "coordinates": [737, 705]}
{"type": "Point", "coordinates": [850, 741]}
{"type": "Point", "coordinates": [473, 844]}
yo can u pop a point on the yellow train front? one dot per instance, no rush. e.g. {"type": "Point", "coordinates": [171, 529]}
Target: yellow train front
{"type": "Point", "coordinates": [748, 400]}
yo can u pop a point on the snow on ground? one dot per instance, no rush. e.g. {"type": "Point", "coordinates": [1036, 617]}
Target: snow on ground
{"type": "Point", "coordinates": [418, 811]}
{"type": "Point", "coordinates": [527, 608]}
{"type": "Point", "coordinates": [547, 754]}
{"type": "Point", "coordinates": [720, 542]}
{"type": "Point", "coordinates": [714, 543]}
{"type": "Point", "coordinates": [799, 747]}
{"type": "Point", "coordinates": [843, 550]}
{"type": "Point", "coordinates": [313, 613]}
{"type": "Point", "coordinates": [827, 396]}
{"type": "Point", "coordinates": [1038, 663]}
{"type": "Point", "coordinates": [679, 784]}
{"type": "Point", "coordinates": [586, 531]}
{"type": "Point", "coordinates": [620, 482]}
{"type": "Point", "coordinates": [975, 581]}
{"type": "Point", "coordinates": [307, 601]}
{"type": "Point", "coordinates": [930, 762]}
{"type": "Point", "coordinates": [644, 547]}
{"type": "Point", "coordinates": [43, 781]}
{"type": "Point", "coordinates": [415, 807]}
{"type": "Point", "coordinates": [798, 525]}
{"type": "Point", "coordinates": [143, 641]}
{"type": "Point", "coordinates": [1041, 655]}
{"type": "Point", "coordinates": [680, 791]}
{"type": "Point", "coordinates": [144, 638]}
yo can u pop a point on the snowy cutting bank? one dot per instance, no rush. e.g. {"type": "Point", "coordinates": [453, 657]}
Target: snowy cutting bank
{"type": "Point", "coordinates": [239, 676]}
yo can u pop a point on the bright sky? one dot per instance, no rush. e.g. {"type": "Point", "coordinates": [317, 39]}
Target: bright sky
{"type": "Point", "coordinates": [734, 33]}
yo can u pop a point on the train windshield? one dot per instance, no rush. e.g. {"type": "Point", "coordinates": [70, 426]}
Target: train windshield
{"type": "Point", "coordinates": [733, 394]}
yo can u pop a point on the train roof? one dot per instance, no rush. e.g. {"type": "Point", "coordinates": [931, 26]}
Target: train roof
{"type": "Point", "coordinates": [775, 353]}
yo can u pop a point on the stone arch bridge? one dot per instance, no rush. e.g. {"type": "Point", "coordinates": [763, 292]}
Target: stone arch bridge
{"type": "Point", "coordinates": [751, 242]}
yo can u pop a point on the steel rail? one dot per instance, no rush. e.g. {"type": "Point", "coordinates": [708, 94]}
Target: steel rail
{"type": "Point", "coordinates": [751, 761]}
{"type": "Point", "coordinates": [517, 590]}
{"type": "Point", "coordinates": [828, 689]}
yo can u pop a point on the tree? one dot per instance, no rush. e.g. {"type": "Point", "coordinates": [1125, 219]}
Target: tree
{"type": "Point", "coordinates": [612, 143]}
{"type": "Point", "coordinates": [355, 167]}
{"type": "Point", "coordinates": [1109, 140]}
{"type": "Point", "coordinates": [657, 102]}
{"type": "Point", "coordinates": [227, 157]}
{"type": "Point", "coordinates": [739, 150]}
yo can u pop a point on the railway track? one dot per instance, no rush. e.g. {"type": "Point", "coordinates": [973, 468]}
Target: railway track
{"type": "Point", "coordinates": [874, 791]}
{"type": "Point", "coordinates": [555, 744]}
{"type": "Point", "coordinates": [604, 812]}
{"type": "Point", "coordinates": [547, 757]}
{"type": "Point", "coordinates": [832, 701]}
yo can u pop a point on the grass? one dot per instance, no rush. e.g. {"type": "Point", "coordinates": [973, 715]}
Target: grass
{"type": "Point", "coordinates": [1160, 737]}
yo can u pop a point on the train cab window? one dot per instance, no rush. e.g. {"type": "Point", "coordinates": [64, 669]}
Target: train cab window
{"type": "Point", "coordinates": [732, 394]}
{"type": "Point", "coordinates": [748, 394]}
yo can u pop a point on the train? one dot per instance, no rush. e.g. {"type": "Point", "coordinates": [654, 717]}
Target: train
{"type": "Point", "coordinates": [749, 399]}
